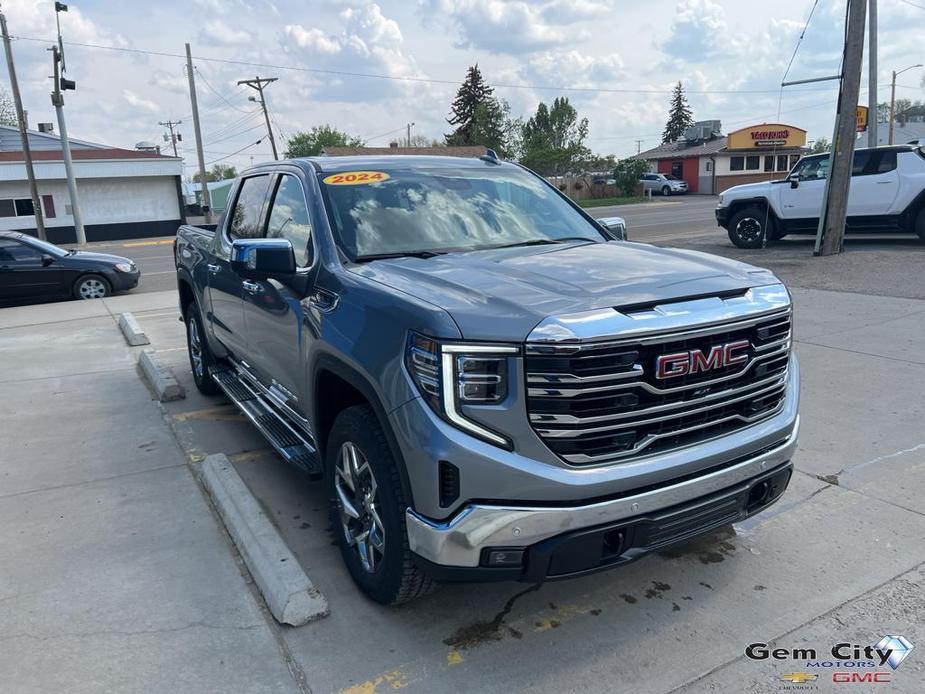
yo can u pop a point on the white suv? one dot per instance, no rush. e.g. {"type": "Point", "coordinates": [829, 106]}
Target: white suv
{"type": "Point", "coordinates": [666, 184]}
{"type": "Point", "coordinates": [887, 194]}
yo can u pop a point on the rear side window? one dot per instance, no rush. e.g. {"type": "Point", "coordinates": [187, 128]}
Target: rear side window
{"type": "Point", "coordinates": [887, 162]}
{"type": "Point", "coordinates": [14, 251]}
{"type": "Point", "coordinates": [248, 208]}
{"type": "Point", "coordinates": [861, 160]}
{"type": "Point", "coordinates": [289, 218]}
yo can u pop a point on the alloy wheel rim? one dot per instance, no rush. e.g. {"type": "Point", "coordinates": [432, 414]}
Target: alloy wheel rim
{"type": "Point", "coordinates": [92, 289]}
{"type": "Point", "coordinates": [195, 347]}
{"type": "Point", "coordinates": [358, 504]}
{"type": "Point", "coordinates": [748, 229]}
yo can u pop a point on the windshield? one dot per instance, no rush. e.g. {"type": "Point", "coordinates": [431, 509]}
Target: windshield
{"type": "Point", "coordinates": [46, 247]}
{"type": "Point", "coordinates": [391, 212]}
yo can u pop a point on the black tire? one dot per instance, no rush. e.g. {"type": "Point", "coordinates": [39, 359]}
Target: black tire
{"type": "Point", "coordinates": [747, 227]}
{"type": "Point", "coordinates": [92, 287]}
{"type": "Point", "coordinates": [200, 355]}
{"type": "Point", "coordinates": [393, 578]}
{"type": "Point", "coordinates": [666, 191]}
{"type": "Point", "coordinates": [920, 224]}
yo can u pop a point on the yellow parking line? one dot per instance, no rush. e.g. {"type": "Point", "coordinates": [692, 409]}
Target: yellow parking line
{"type": "Point", "coordinates": [134, 244]}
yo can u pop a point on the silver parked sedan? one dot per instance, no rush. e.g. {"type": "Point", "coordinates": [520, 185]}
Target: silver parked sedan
{"type": "Point", "coordinates": [666, 184]}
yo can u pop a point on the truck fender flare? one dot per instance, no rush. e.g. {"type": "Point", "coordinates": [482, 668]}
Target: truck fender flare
{"type": "Point", "coordinates": [328, 362]}
{"type": "Point", "coordinates": [908, 214]}
{"type": "Point", "coordinates": [759, 200]}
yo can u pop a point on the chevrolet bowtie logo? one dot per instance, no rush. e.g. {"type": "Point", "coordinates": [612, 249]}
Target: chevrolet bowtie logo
{"type": "Point", "coordinates": [799, 677]}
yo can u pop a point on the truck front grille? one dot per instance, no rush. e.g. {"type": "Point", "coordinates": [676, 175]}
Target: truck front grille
{"type": "Point", "coordinates": [594, 402]}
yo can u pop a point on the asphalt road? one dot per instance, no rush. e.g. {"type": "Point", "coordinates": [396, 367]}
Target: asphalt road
{"type": "Point", "coordinates": [884, 265]}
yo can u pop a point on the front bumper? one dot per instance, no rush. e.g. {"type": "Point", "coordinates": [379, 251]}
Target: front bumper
{"type": "Point", "coordinates": [722, 216]}
{"type": "Point", "coordinates": [123, 281]}
{"type": "Point", "coordinates": [459, 545]}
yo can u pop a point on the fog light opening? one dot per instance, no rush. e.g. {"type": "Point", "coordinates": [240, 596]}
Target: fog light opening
{"type": "Point", "coordinates": [759, 495]}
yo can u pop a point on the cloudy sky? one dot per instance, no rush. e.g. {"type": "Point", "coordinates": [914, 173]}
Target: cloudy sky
{"type": "Point", "coordinates": [616, 60]}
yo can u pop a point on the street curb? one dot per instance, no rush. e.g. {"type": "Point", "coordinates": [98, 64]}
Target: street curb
{"type": "Point", "coordinates": [288, 591]}
{"type": "Point", "coordinates": [133, 333]}
{"type": "Point", "coordinates": [161, 379]}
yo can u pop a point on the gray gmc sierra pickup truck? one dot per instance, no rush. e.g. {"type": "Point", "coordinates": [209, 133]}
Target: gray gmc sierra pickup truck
{"type": "Point", "coordinates": [492, 386]}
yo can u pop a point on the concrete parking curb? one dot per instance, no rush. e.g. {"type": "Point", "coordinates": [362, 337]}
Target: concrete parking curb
{"type": "Point", "coordinates": [163, 382]}
{"type": "Point", "coordinates": [288, 591]}
{"type": "Point", "coordinates": [133, 333]}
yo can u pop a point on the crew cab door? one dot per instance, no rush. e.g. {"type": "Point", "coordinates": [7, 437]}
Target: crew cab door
{"type": "Point", "coordinates": [245, 219]}
{"type": "Point", "coordinates": [874, 183]}
{"type": "Point", "coordinates": [273, 307]}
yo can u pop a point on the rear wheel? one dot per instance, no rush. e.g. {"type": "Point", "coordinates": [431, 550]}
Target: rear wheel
{"type": "Point", "coordinates": [92, 287]}
{"type": "Point", "coordinates": [666, 190]}
{"type": "Point", "coordinates": [920, 224]}
{"type": "Point", "coordinates": [750, 227]}
{"type": "Point", "coordinates": [368, 509]}
{"type": "Point", "coordinates": [200, 356]}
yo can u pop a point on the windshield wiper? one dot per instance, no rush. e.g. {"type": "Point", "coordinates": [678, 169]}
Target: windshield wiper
{"type": "Point", "coordinates": [540, 242]}
{"type": "Point", "coordinates": [398, 254]}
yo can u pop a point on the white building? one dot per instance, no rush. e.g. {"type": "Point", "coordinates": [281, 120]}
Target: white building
{"type": "Point", "coordinates": [123, 193]}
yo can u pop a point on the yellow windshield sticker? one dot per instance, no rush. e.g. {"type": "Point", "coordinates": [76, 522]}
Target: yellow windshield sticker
{"type": "Point", "coordinates": [355, 178]}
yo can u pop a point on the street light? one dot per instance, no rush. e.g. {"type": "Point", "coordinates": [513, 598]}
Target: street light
{"type": "Point", "coordinates": [893, 96]}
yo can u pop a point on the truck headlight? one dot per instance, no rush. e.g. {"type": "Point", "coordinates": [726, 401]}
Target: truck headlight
{"type": "Point", "coordinates": [720, 203]}
{"type": "Point", "coordinates": [451, 374]}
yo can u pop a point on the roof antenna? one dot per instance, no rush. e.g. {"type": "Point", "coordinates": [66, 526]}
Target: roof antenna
{"type": "Point", "coordinates": [491, 156]}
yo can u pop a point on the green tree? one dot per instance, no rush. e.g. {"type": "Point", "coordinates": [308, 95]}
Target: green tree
{"type": "Point", "coordinates": [553, 139]}
{"type": "Point", "coordinates": [473, 93]}
{"type": "Point", "coordinates": [7, 108]}
{"type": "Point", "coordinates": [310, 144]}
{"type": "Point", "coordinates": [218, 172]}
{"type": "Point", "coordinates": [628, 172]}
{"type": "Point", "coordinates": [493, 127]}
{"type": "Point", "coordinates": [680, 116]}
{"type": "Point", "coordinates": [819, 146]}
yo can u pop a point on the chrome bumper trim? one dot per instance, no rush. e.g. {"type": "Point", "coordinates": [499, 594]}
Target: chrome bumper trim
{"type": "Point", "coordinates": [459, 541]}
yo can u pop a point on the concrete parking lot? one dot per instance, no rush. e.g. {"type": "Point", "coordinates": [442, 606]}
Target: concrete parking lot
{"type": "Point", "coordinates": [839, 559]}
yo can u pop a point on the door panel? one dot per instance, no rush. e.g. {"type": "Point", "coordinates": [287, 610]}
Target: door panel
{"type": "Point", "coordinates": [805, 201]}
{"type": "Point", "coordinates": [273, 308]}
{"type": "Point", "coordinates": [226, 288]}
{"type": "Point", "coordinates": [24, 275]}
{"type": "Point", "coordinates": [874, 183]}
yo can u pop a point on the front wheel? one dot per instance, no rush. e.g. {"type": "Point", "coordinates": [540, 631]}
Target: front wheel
{"type": "Point", "coordinates": [666, 191]}
{"type": "Point", "coordinates": [751, 228]}
{"type": "Point", "coordinates": [368, 509]}
{"type": "Point", "coordinates": [92, 287]}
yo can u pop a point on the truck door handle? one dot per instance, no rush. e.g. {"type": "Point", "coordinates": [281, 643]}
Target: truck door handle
{"type": "Point", "coordinates": [213, 268]}
{"type": "Point", "coordinates": [251, 286]}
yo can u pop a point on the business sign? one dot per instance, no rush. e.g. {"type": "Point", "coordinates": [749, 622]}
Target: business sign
{"type": "Point", "coordinates": [766, 135]}
{"type": "Point", "coordinates": [862, 119]}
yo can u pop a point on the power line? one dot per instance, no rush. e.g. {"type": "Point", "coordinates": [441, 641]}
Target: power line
{"type": "Point", "coordinates": [800, 40]}
{"type": "Point", "coordinates": [912, 4]}
{"type": "Point", "coordinates": [220, 96]}
{"type": "Point", "coordinates": [252, 144]}
{"type": "Point", "coordinates": [233, 135]}
{"type": "Point", "coordinates": [232, 125]}
{"type": "Point", "coordinates": [402, 78]}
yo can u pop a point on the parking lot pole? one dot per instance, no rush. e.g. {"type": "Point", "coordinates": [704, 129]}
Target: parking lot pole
{"type": "Point", "coordinates": [872, 76]}
{"type": "Point", "coordinates": [23, 134]}
{"type": "Point", "coordinates": [57, 99]}
{"type": "Point", "coordinates": [206, 197]}
{"type": "Point", "coordinates": [831, 230]}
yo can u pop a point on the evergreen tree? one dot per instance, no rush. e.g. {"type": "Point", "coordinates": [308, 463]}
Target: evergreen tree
{"type": "Point", "coordinates": [554, 139]}
{"type": "Point", "coordinates": [7, 109]}
{"type": "Point", "coordinates": [473, 93]}
{"type": "Point", "coordinates": [680, 117]}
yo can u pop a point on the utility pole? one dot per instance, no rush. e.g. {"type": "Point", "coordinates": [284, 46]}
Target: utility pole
{"type": "Point", "coordinates": [872, 76]}
{"type": "Point", "coordinates": [831, 231]}
{"type": "Point", "coordinates": [893, 96]}
{"type": "Point", "coordinates": [57, 100]}
{"type": "Point", "coordinates": [206, 198]}
{"type": "Point", "coordinates": [638, 146]}
{"type": "Point", "coordinates": [259, 84]}
{"type": "Point", "coordinates": [409, 126]}
{"type": "Point", "coordinates": [169, 124]}
{"type": "Point", "coordinates": [23, 134]}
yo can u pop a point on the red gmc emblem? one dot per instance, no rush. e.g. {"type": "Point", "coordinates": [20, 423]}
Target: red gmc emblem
{"type": "Point", "coordinates": [696, 361]}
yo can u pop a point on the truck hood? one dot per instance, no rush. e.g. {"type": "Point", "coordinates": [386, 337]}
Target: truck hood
{"type": "Point", "coordinates": [747, 190]}
{"type": "Point", "coordinates": [502, 294]}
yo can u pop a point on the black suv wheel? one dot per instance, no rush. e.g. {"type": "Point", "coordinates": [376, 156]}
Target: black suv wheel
{"type": "Point", "coordinates": [751, 227]}
{"type": "Point", "coordinates": [368, 509]}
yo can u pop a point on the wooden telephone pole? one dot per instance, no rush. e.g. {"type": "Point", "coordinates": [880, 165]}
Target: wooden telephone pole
{"type": "Point", "coordinates": [259, 84]}
{"type": "Point", "coordinates": [831, 232]}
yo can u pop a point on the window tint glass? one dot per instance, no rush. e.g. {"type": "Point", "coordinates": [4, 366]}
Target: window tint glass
{"type": "Point", "coordinates": [248, 208]}
{"type": "Point", "coordinates": [887, 162]}
{"type": "Point", "coordinates": [289, 218]}
{"type": "Point", "coordinates": [24, 207]}
{"type": "Point", "coordinates": [860, 162]}
{"type": "Point", "coordinates": [813, 169]}
{"type": "Point", "coordinates": [14, 251]}
{"type": "Point", "coordinates": [782, 163]}
{"type": "Point", "coordinates": [751, 162]}
{"type": "Point", "coordinates": [736, 163]}
{"type": "Point", "coordinates": [769, 163]}
{"type": "Point", "coordinates": [7, 209]}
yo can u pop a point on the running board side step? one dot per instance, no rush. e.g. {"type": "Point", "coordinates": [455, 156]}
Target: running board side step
{"type": "Point", "coordinates": [283, 434]}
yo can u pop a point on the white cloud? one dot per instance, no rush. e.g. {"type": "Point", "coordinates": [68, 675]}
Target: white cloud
{"type": "Point", "coordinates": [133, 99]}
{"type": "Point", "coordinates": [574, 69]}
{"type": "Point", "coordinates": [698, 32]}
{"type": "Point", "coordinates": [216, 31]}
